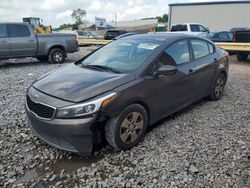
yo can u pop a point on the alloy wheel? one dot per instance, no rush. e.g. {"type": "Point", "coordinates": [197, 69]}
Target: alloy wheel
{"type": "Point", "coordinates": [58, 57]}
{"type": "Point", "coordinates": [219, 87]}
{"type": "Point", "coordinates": [131, 127]}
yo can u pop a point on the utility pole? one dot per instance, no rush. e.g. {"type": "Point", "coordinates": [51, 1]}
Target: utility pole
{"type": "Point", "coordinates": [115, 20]}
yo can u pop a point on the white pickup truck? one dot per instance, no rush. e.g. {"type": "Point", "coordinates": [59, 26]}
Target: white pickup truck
{"type": "Point", "coordinates": [190, 28]}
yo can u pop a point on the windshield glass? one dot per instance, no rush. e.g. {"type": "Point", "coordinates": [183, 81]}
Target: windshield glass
{"type": "Point", "coordinates": [122, 56]}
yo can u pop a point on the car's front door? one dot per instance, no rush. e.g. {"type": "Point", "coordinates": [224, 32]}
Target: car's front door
{"type": "Point", "coordinates": [204, 57]}
{"type": "Point", "coordinates": [4, 42]}
{"type": "Point", "coordinates": [172, 92]}
{"type": "Point", "coordinates": [22, 42]}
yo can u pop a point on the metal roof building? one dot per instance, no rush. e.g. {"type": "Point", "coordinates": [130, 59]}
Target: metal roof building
{"type": "Point", "coordinates": [217, 15]}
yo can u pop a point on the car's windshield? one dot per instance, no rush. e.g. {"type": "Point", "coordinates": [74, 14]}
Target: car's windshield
{"type": "Point", "coordinates": [122, 56]}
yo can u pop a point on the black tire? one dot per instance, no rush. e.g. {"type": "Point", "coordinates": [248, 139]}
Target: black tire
{"type": "Point", "coordinates": [242, 56]}
{"type": "Point", "coordinates": [115, 132]}
{"type": "Point", "coordinates": [42, 58]}
{"type": "Point", "coordinates": [57, 55]}
{"type": "Point", "coordinates": [218, 87]}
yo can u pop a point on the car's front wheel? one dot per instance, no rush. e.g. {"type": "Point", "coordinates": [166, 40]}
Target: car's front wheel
{"type": "Point", "coordinates": [218, 87]}
{"type": "Point", "coordinates": [128, 128]}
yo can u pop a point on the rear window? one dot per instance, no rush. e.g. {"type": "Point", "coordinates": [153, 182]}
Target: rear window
{"type": "Point", "coordinates": [17, 30]}
{"type": "Point", "coordinates": [3, 31]}
{"type": "Point", "coordinates": [179, 28]}
{"type": "Point", "coordinates": [201, 48]}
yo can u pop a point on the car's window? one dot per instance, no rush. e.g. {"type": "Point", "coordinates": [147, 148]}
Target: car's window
{"type": "Point", "coordinates": [179, 52]}
{"type": "Point", "coordinates": [211, 48]}
{"type": "Point", "coordinates": [18, 30]}
{"type": "Point", "coordinates": [124, 55]}
{"type": "Point", "coordinates": [230, 35]}
{"type": "Point", "coordinates": [200, 48]}
{"type": "Point", "coordinates": [3, 31]}
{"type": "Point", "coordinates": [179, 28]}
{"type": "Point", "coordinates": [223, 36]}
{"type": "Point", "coordinates": [197, 28]}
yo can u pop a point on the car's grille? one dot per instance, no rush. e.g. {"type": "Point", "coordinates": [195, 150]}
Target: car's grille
{"type": "Point", "coordinates": [41, 110]}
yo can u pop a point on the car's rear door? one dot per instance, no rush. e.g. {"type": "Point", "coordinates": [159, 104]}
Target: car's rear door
{"type": "Point", "coordinates": [4, 42]}
{"type": "Point", "coordinates": [204, 57]}
{"type": "Point", "coordinates": [22, 41]}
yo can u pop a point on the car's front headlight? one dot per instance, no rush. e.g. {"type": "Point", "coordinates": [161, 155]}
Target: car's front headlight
{"type": "Point", "coordinates": [85, 108]}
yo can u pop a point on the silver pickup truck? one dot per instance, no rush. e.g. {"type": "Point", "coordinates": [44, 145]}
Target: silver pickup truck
{"type": "Point", "coordinates": [17, 40]}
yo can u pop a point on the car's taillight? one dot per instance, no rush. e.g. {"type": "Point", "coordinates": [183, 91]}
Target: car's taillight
{"type": "Point", "coordinates": [234, 36]}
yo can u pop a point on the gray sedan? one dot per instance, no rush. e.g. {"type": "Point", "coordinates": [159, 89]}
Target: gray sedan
{"type": "Point", "coordinates": [122, 88]}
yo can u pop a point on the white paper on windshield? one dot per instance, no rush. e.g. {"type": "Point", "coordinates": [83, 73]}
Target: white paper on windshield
{"type": "Point", "coordinates": [148, 46]}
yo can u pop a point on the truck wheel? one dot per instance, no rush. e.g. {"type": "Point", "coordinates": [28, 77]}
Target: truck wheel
{"type": "Point", "coordinates": [242, 56]}
{"type": "Point", "coordinates": [42, 58]}
{"type": "Point", "coordinates": [218, 87]}
{"type": "Point", "coordinates": [57, 55]}
{"type": "Point", "coordinates": [128, 128]}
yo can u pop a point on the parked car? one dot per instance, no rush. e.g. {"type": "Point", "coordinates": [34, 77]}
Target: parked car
{"type": "Point", "coordinates": [190, 28]}
{"type": "Point", "coordinates": [222, 36]}
{"type": "Point", "coordinates": [111, 34]}
{"type": "Point", "coordinates": [241, 35]}
{"type": "Point", "coordinates": [122, 88]}
{"type": "Point", "coordinates": [124, 35]}
{"type": "Point", "coordinates": [18, 40]}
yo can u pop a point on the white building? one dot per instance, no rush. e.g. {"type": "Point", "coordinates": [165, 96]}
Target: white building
{"type": "Point", "coordinates": [217, 16]}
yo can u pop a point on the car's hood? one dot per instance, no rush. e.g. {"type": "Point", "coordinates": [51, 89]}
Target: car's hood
{"type": "Point", "coordinates": [76, 84]}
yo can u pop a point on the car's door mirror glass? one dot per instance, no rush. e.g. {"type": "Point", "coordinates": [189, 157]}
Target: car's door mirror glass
{"type": "Point", "coordinates": [166, 70]}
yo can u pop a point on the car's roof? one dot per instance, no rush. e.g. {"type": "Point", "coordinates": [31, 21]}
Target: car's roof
{"type": "Point", "coordinates": [160, 36]}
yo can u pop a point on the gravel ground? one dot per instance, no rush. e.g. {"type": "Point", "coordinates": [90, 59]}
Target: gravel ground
{"type": "Point", "coordinates": [204, 145]}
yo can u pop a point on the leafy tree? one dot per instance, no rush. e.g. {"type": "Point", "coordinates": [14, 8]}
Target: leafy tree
{"type": "Point", "coordinates": [77, 15]}
{"type": "Point", "coordinates": [163, 18]}
{"type": "Point", "coordinates": [65, 26]}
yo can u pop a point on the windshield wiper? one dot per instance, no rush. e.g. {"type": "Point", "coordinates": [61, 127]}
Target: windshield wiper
{"type": "Point", "coordinates": [102, 68]}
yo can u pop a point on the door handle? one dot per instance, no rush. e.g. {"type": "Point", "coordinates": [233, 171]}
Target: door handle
{"type": "Point", "coordinates": [31, 40]}
{"type": "Point", "coordinates": [3, 42]}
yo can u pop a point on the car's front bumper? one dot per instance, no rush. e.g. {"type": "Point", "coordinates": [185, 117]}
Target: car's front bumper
{"type": "Point", "coordinates": [72, 135]}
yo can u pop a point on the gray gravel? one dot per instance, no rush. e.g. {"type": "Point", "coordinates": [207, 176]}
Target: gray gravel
{"type": "Point", "coordinates": [204, 145]}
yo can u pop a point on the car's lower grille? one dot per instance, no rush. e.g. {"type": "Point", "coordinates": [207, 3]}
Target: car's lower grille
{"type": "Point", "coordinates": [41, 110]}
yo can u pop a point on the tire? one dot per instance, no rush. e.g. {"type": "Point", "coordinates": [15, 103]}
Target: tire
{"type": "Point", "coordinates": [57, 55]}
{"type": "Point", "coordinates": [218, 87]}
{"type": "Point", "coordinates": [122, 133]}
{"type": "Point", "coordinates": [242, 56]}
{"type": "Point", "coordinates": [42, 58]}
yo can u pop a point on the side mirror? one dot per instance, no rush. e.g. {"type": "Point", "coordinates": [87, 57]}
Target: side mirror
{"type": "Point", "coordinates": [207, 30]}
{"type": "Point", "coordinates": [166, 70]}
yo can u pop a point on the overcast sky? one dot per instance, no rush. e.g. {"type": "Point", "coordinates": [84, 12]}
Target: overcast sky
{"type": "Point", "coordinates": [57, 12]}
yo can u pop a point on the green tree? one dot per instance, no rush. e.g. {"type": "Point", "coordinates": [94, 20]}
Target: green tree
{"type": "Point", "coordinates": [77, 15]}
{"type": "Point", "coordinates": [163, 18]}
{"type": "Point", "coordinates": [65, 26]}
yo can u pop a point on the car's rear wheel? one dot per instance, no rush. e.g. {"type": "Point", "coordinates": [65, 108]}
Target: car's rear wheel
{"type": "Point", "coordinates": [218, 87]}
{"type": "Point", "coordinates": [57, 55]}
{"type": "Point", "coordinates": [242, 56]}
{"type": "Point", "coordinates": [128, 128]}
